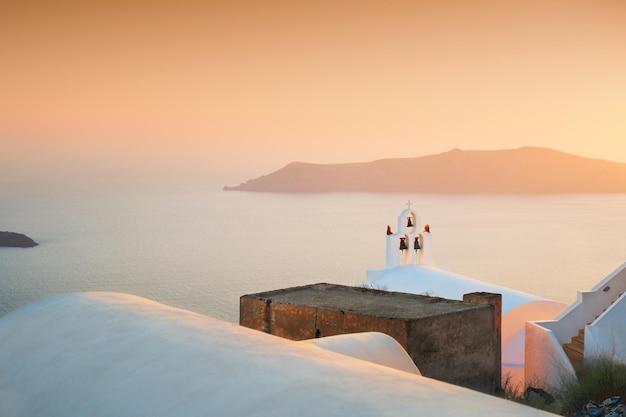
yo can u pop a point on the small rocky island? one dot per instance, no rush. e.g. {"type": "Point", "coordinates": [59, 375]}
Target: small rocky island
{"type": "Point", "coordinates": [16, 240]}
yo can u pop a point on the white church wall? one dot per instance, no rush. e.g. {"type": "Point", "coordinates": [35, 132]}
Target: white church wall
{"type": "Point", "coordinates": [426, 253]}
{"type": "Point", "coordinates": [545, 362]}
{"type": "Point", "coordinates": [393, 254]}
{"type": "Point", "coordinates": [607, 335]}
{"type": "Point", "coordinates": [609, 341]}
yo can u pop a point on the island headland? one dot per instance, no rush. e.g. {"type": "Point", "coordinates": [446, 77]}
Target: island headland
{"type": "Point", "coordinates": [16, 240]}
{"type": "Point", "coordinates": [527, 170]}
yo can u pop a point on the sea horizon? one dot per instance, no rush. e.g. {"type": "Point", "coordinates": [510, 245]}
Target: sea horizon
{"type": "Point", "coordinates": [193, 246]}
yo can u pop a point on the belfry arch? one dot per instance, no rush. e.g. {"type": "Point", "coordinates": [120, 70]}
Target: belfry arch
{"type": "Point", "coordinates": [408, 244]}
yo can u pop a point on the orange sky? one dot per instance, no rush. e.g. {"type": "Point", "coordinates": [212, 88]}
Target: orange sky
{"type": "Point", "coordinates": [241, 88]}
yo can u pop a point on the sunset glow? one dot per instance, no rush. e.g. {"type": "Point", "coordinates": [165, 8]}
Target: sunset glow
{"type": "Point", "coordinates": [243, 88]}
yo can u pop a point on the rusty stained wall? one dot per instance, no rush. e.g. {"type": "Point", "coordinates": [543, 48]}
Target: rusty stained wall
{"type": "Point", "coordinates": [459, 347]}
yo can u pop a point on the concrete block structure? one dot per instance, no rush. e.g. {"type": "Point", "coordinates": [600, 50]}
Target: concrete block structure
{"type": "Point", "coordinates": [449, 340]}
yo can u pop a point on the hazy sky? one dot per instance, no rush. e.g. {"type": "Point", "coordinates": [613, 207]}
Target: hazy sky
{"type": "Point", "coordinates": [241, 88]}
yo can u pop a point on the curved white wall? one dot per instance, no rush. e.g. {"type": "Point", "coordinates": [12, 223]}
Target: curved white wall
{"type": "Point", "coordinates": [106, 354]}
{"type": "Point", "coordinates": [373, 347]}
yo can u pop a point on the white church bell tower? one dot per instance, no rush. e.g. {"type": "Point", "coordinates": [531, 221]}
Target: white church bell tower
{"type": "Point", "coordinates": [410, 244]}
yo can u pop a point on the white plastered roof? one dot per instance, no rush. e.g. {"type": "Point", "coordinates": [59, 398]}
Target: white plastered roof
{"type": "Point", "coordinates": [109, 354]}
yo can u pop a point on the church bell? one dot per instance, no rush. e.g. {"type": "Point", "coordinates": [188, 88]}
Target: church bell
{"type": "Point", "coordinates": [403, 243]}
{"type": "Point", "coordinates": [416, 244]}
{"type": "Point", "coordinates": [409, 223]}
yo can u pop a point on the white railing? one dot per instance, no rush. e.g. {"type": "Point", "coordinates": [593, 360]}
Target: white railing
{"type": "Point", "coordinates": [589, 305]}
{"type": "Point", "coordinates": [606, 335]}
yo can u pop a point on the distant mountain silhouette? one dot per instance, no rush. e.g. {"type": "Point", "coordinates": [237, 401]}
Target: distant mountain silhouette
{"type": "Point", "coordinates": [514, 171]}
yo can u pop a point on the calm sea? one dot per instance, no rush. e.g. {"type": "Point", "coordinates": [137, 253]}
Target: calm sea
{"type": "Point", "coordinates": [199, 248]}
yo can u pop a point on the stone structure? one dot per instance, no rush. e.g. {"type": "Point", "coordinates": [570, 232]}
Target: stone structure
{"type": "Point", "coordinates": [453, 341]}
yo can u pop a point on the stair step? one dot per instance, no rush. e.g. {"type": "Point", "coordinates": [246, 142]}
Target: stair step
{"type": "Point", "coordinates": [576, 347]}
{"type": "Point", "coordinates": [575, 350]}
{"type": "Point", "coordinates": [574, 355]}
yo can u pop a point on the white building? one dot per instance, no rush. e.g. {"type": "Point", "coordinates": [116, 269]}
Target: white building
{"type": "Point", "coordinates": [595, 324]}
{"type": "Point", "coordinates": [108, 354]}
{"type": "Point", "coordinates": [410, 269]}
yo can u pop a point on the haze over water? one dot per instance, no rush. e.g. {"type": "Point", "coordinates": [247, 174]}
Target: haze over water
{"type": "Point", "coordinates": [199, 248]}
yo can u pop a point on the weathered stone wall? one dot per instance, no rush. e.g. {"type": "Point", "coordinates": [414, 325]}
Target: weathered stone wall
{"type": "Point", "coordinates": [457, 348]}
{"type": "Point", "coordinates": [449, 340]}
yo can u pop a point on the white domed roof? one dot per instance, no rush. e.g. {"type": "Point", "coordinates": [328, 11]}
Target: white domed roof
{"type": "Point", "coordinates": [107, 354]}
